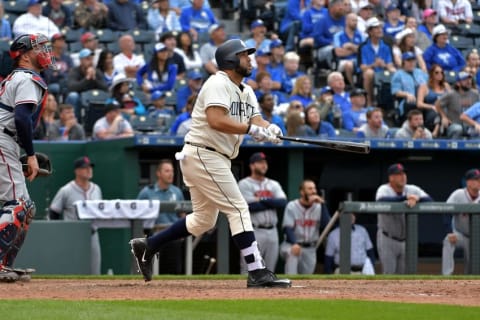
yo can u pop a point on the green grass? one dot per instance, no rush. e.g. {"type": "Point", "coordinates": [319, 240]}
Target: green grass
{"type": "Point", "coordinates": [231, 309]}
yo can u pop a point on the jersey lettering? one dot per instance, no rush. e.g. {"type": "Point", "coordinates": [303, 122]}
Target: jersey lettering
{"type": "Point", "coordinates": [242, 109]}
{"type": "Point", "coordinates": [306, 223]}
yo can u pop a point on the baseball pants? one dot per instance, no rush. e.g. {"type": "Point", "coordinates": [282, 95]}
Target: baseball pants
{"type": "Point", "coordinates": [12, 180]}
{"type": "Point", "coordinates": [448, 251]}
{"type": "Point", "coordinates": [213, 188]}
{"type": "Point", "coordinates": [391, 253]}
{"type": "Point", "coordinates": [303, 264]}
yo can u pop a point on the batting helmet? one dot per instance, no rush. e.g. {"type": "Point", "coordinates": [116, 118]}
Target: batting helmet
{"type": "Point", "coordinates": [38, 42]}
{"type": "Point", "coordinates": [227, 54]}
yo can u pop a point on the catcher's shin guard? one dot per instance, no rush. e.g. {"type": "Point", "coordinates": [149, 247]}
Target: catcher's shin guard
{"type": "Point", "coordinates": [15, 217]}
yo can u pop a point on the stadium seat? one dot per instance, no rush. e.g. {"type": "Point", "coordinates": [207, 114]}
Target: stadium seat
{"type": "Point", "coordinates": [4, 46]}
{"type": "Point", "coordinates": [73, 35]}
{"type": "Point", "coordinates": [450, 77]}
{"type": "Point", "coordinates": [382, 84]}
{"type": "Point", "coordinates": [17, 7]}
{"type": "Point", "coordinates": [75, 46]}
{"type": "Point", "coordinates": [113, 46]}
{"type": "Point", "coordinates": [11, 17]}
{"type": "Point", "coordinates": [143, 36]}
{"type": "Point", "coordinates": [144, 124]}
{"type": "Point", "coordinates": [461, 42]}
{"type": "Point", "coordinates": [93, 96]}
{"type": "Point", "coordinates": [93, 102]}
{"type": "Point", "coordinates": [105, 35]}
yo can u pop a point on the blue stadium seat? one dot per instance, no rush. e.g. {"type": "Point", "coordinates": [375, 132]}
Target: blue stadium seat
{"type": "Point", "coordinates": [461, 42]}
{"type": "Point", "coordinates": [17, 7]}
{"type": "Point", "coordinates": [73, 35]}
{"type": "Point", "coordinates": [143, 36]}
{"type": "Point", "coordinates": [75, 46]}
{"type": "Point", "coordinates": [105, 35]}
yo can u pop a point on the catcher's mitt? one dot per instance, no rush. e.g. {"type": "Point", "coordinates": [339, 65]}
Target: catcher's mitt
{"type": "Point", "coordinates": [44, 164]}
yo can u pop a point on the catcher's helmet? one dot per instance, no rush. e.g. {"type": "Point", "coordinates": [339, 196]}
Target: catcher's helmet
{"type": "Point", "coordinates": [37, 42]}
{"type": "Point", "coordinates": [226, 54]}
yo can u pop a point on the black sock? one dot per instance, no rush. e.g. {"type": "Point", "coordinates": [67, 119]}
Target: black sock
{"type": "Point", "coordinates": [176, 231]}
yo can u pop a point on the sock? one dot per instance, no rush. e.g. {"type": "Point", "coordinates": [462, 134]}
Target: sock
{"type": "Point", "coordinates": [176, 231]}
{"type": "Point", "coordinates": [248, 246]}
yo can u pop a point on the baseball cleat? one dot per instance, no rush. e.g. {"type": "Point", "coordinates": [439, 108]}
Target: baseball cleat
{"type": "Point", "coordinates": [143, 257]}
{"type": "Point", "coordinates": [264, 278]}
{"type": "Point", "coordinates": [8, 276]}
{"type": "Point", "coordinates": [24, 275]}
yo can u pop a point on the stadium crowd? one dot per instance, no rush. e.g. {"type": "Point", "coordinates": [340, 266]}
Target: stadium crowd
{"type": "Point", "coordinates": [328, 68]}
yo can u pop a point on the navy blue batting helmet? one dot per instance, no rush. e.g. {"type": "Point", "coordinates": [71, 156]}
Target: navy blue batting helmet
{"type": "Point", "coordinates": [227, 53]}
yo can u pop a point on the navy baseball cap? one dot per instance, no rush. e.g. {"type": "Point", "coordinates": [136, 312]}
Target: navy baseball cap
{"type": "Point", "coordinates": [392, 7]}
{"type": "Point", "coordinates": [257, 23]}
{"type": "Point", "coordinates": [396, 168]}
{"type": "Point", "coordinates": [472, 174]}
{"type": "Point", "coordinates": [409, 55]}
{"type": "Point", "coordinates": [326, 89]}
{"type": "Point", "coordinates": [262, 53]}
{"type": "Point", "coordinates": [83, 162]}
{"type": "Point", "coordinates": [258, 156]}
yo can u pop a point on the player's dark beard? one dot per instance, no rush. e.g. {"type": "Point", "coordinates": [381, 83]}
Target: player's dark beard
{"type": "Point", "coordinates": [243, 71]}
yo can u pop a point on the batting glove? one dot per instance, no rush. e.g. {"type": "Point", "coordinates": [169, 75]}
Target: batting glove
{"type": "Point", "coordinates": [259, 134]}
{"type": "Point", "coordinates": [275, 132]}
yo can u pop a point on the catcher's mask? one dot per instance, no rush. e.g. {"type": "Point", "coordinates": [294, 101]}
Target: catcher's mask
{"type": "Point", "coordinates": [37, 42]}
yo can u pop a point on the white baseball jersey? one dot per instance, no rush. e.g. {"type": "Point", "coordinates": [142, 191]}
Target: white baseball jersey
{"type": "Point", "coordinates": [239, 101]}
{"type": "Point", "coordinates": [305, 221]}
{"type": "Point", "coordinates": [460, 222]}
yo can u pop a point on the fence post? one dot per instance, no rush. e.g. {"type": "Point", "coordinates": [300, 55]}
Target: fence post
{"type": "Point", "coordinates": [411, 243]}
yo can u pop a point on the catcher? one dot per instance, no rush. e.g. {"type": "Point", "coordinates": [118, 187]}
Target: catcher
{"type": "Point", "coordinates": [22, 94]}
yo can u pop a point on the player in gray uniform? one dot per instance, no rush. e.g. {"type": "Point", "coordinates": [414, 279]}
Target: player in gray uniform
{"type": "Point", "coordinates": [302, 221]}
{"type": "Point", "coordinates": [458, 225]}
{"type": "Point", "coordinates": [22, 95]}
{"type": "Point", "coordinates": [225, 110]}
{"type": "Point", "coordinates": [81, 188]}
{"type": "Point", "coordinates": [264, 196]}
{"type": "Point", "coordinates": [391, 227]}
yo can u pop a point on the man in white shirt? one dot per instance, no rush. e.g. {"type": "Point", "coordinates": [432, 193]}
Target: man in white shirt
{"type": "Point", "coordinates": [33, 20]}
{"type": "Point", "coordinates": [455, 11]}
{"type": "Point", "coordinates": [127, 61]}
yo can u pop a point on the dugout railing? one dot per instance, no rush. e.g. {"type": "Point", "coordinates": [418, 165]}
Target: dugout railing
{"type": "Point", "coordinates": [411, 216]}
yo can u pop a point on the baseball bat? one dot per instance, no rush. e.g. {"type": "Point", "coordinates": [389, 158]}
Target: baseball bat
{"type": "Point", "coordinates": [210, 265]}
{"type": "Point", "coordinates": [347, 146]}
{"type": "Point", "coordinates": [327, 228]}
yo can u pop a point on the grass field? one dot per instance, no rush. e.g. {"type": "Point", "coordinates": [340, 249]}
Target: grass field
{"type": "Point", "coordinates": [231, 309]}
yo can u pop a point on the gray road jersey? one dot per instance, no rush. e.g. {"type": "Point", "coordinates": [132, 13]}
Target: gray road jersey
{"type": "Point", "coordinates": [394, 224]}
{"type": "Point", "coordinates": [305, 221]}
{"type": "Point", "coordinates": [71, 192]}
{"type": "Point", "coordinates": [460, 222]}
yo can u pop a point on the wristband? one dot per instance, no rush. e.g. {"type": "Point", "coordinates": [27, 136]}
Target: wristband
{"type": "Point", "coordinates": [248, 128]}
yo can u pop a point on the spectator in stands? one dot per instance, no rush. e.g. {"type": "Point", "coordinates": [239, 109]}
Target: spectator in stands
{"type": "Point", "coordinates": [125, 15]}
{"type": "Point", "coordinates": [57, 78]}
{"type": "Point", "coordinates": [290, 74]}
{"type": "Point", "coordinates": [83, 78]}
{"type": "Point", "coordinates": [326, 107]}
{"type": "Point", "coordinates": [90, 14]}
{"type": "Point", "coordinates": [59, 13]}
{"type": "Point", "coordinates": [197, 20]}
{"type": "Point", "coordinates": [422, 41]}
{"type": "Point", "coordinates": [46, 120]}
{"type": "Point", "coordinates": [365, 13]}
{"type": "Point", "coordinates": [194, 83]}
{"type": "Point", "coordinates": [262, 58]}
{"type": "Point", "coordinates": [309, 17]}
{"type": "Point", "coordinates": [5, 27]}
{"type": "Point", "coordinates": [473, 66]}
{"type": "Point", "coordinates": [112, 125]}
{"type": "Point", "coordinates": [345, 44]}
{"type": "Point", "coordinates": [341, 98]}
{"type": "Point", "coordinates": [392, 24]}
{"type": "Point", "coordinates": [159, 111]}
{"type": "Point", "coordinates": [33, 20]}
{"type": "Point", "coordinates": [354, 118]}
{"type": "Point", "coordinates": [317, 127]}
{"type": "Point", "coordinates": [189, 52]}
{"type": "Point", "coordinates": [158, 74]}
{"type": "Point", "coordinates": [443, 53]}
{"type": "Point", "coordinates": [453, 12]}
{"type": "Point", "coordinates": [184, 116]}
{"type": "Point", "coordinates": [392, 228]}
{"type": "Point", "coordinates": [374, 56]}
{"type": "Point", "coordinates": [427, 96]}
{"type": "Point", "coordinates": [405, 83]}
{"type": "Point", "coordinates": [66, 128]}
{"type": "Point", "coordinates": [105, 65]}
{"type": "Point", "coordinates": [413, 127]}
{"type": "Point", "coordinates": [290, 25]}
{"type": "Point", "coordinates": [322, 38]}
{"type": "Point", "coordinates": [451, 105]}
{"type": "Point", "coordinates": [471, 120]}
{"type": "Point", "coordinates": [130, 106]}
{"type": "Point", "coordinates": [258, 39]}
{"type": "Point", "coordinates": [267, 104]}
{"type": "Point", "coordinates": [207, 50]}
{"type": "Point", "coordinates": [127, 61]}
{"type": "Point", "coordinates": [405, 42]}
{"type": "Point", "coordinates": [170, 42]}
{"type": "Point", "coordinates": [361, 249]}
{"type": "Point", "coordinates": [277, 51]}
{"type": "Point", "coordinates": [265, 85]}
{"type": "Point", "coordinates": [162, 18]}
{"type": "Point", "coordinates": [178, 5]}
{"type": "Point", "coordinates": [374, 128]}
{"type": "Point", "coordinates": [296, 126]}
{"type": "Point", "coordinates": [429, 21]}
{"type": "Point", "coordinates": [302, 91]}
{"type": "Point", "coordinates": [88, 40]}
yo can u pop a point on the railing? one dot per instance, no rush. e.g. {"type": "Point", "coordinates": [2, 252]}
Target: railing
{"type": "Point", "coordinates": [411, 227]}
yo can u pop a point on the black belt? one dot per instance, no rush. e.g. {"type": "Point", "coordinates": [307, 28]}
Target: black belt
{"type": "Point", "coordinates": [307, 244]}
{"type": "Point", "coordinates": [265, 226]}
{"type": "Point", "coordinates": [386, 234]}
{"type": "Point", "coordinates": [352, 268]}
{"type": "Point", "coordinates": [8, 132]}
{"type": "Point", "coordinates": [206, 148]}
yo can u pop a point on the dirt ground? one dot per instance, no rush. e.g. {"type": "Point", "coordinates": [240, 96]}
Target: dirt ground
{"type": "Point", "coordinates": [455, 292]}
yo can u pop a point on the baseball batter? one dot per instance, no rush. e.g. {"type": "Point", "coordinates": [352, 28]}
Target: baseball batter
{"type": "Point", "coordinates": [302, 221]}
{"type": "Point", "coordinates": [458, 226]}
{"type": "Point", "coordinates": [21, 95]}
{"type": "Point", "coordinates": [264, 196]}
{"type": "Point", "coordinates": [391, 227]}
{"type": "Point", "coordinates": [225, 110]}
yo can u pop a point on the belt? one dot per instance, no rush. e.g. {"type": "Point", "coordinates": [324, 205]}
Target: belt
{"type": "Point", "coordinates": [206, 148]}
{"type": "Point", "coordinates": [265, 226]}
{"type": "Point", "coordinates": [386, 234]}
{"type": "Point", "coordinates": [10, 133]}
{"type": "Point", "coordinates": [352, 268]}
{"type": "Point", "coordinates": [307, 244]}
